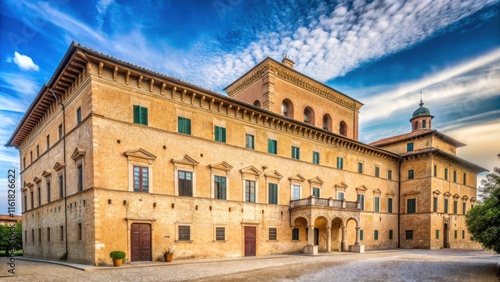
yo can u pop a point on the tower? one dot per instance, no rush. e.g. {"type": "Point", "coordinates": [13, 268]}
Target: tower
{"type": "Point", "coordinates": [422, 118]}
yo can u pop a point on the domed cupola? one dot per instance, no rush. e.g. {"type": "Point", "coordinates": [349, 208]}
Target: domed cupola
{"type": "Point", "coordinates": [421, 118]}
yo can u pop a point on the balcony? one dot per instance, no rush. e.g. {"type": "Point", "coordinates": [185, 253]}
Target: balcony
{"type": "Point", "coordinates": [326, 203]}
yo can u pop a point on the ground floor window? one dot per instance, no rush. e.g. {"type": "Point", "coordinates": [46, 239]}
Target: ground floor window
{"type": "Point", "coordinates": [184, 233]}
{"type": "Point", "coordinates": [272, 234]}
{"type": "Point", "coordinates": [437, 234]}
{"type": "Point", "coordinates": [390, 235]}
{"type": "Point", "coordinates": [409, 234]}
{"type": "Point", "coordinates": [455, 234]}
{"type": "Point", "coordinates": [220, 233]}
{"type": "Point", "coordinates": [361, 235]}
{"type": "Point", "coordinates": [375, 235]}
{"type": "Point", "coordinates": [295, 234]}
{"type": "Point", "coordinates": [463, 234]}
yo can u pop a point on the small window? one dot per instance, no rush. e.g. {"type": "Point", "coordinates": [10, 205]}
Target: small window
{"type": "Point", "coordinates": [287, 108]}
{"type": "Point", "coordinates": [308, 115]}
{"type": "Point", "coordinates": [39, 235]}
{"type": "Point", "coordinates": [249, 191]}
{"type": "Point", "coordinates": [249, 141]}
{"type": "Point", "coordinates": [360, 167]}
{"type": "Point", "coordinates": [273, 193]}
{"type": "Point", "coordinates": [79, 170]}
{"type": "Point", "coordinates": [315, 157]}
{"type": "Point", "coordinates": [272, 146]}
{"type": "Point", "coordinates": [78, 115]}
{"type": "Point", "coordinates": [435, 204]}
{"type": "Point", "coordinates": [361, 200]}
{"type": "Point", "coordinates": [340, 195]}
{"type": "Point", "coordinates": [295, 152]}
{"type": "Point", "coordinates": [140, 115]}
{"type": "Point", "coordinates": [343, 128]}
{"type": "Point", "coordinates": [184, 125]}
{"type": "Point", "coordinates": [389, 174]}
{"type": "Point", "coordinates": [375, 235]}
{"type": "Point", "coordinates": [455, 234]}
{"type": "Point", "coordinates": [61, 186]}
{"type": "Point", "coordinates": [31, 157]}
{"type": "Point", "coordinates": [220, 134]}
{"type": "Point", "coordinates": [445, 174]}
{"type": "Point", "coordinates": [411, 174]}
{"type": "Point", "coordinates": [33, 236]}
{"type": "Point", "coordinates": [184, 233]}
{"type": "Point", "coordinates": [377, 171]}
{"type": "Point", "coordinates": [272, 234]}
{"type": "Point", "coordinates": [60, 129]}
{"type": "Point", "coordinates": [389, 205]}
{"type": "Point", "coordinates": [32, 197]}
{"type": "Point", "coordinates": [391, 235]}
{"type": "Point", "coordinates": [409, 147]}
{"type": "Point", "coordinates": [340, 163]}
{"type": "Point", "coordinates": [48, 234]}
{"type": "Point", "coordinates": [141, 179]}
{"type": "Point", "coordinates": [424, 124]}
{"type": "Point", "coordinates": [79, 231]}
{"type": "Point", "coordinates": [39, 194]}
{"type": "Point", "coordinates": [48, 191]}
{"type": "Point", "coordinates": [435, 170]}
{"type": "Point", "coordinates": [37, 151]}
{"type": "Point", "coordinates": [295, 234]}
{"type": "Point", "coordinates": [25, 236]}
{"type": "Point", "coordinates": [361, 234]}
{"type": "Point", "coordinates": [377, 204]}
{"type": "Point", "coordinates": [445, 205]}
{"type": "Point", "coordinates": [409, 234]}
{"type": "Point", "coordinates": [220, 233]}
{"type": "Point", "coordinates": [295, 192]}
{"type": "Point", "coordinates": [61, 233]}
{"type": "Point", "coordinates": [455, 176]}
{"type": "Point", "coordinates": [437, 233]}
{"type": "Point", "coordinates": [24, 162]}
{"type": "Point", "coordinates": [464, 183]}
{"type": "Point", "coordinates": [48, 141]}
{"type": "Point", "coordinates": [220, 187]}
{"type": "Point", "coordinates": [316, 192]}
{"type": "Point", "coordinates": [455, 207]}
{"type": "Point", "coordinates": [256, 103]}
{"type": "Point", "coordinates": [464, 208]}
{"type": "Point", "coordinates": [463, 234]}
{"type": "Point", "coordinates": [327, 122]}
{"type": "Point", "coordinates": [185, 183]}
{"type": "Point", "coordinates": [411, 205]}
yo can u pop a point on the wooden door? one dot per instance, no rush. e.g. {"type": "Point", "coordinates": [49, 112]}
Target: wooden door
{"type": "Point", "coordinates": [250, 240]}
{"type": "Point", "coordinates": [140, 242]}
{"type": "Point", "coordinates": [446, 238]}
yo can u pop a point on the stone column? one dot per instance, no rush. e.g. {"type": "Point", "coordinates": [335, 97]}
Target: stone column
{"type": "Point", "coordinates": [310, 235]}
{"type": "Point", "coordinates": [343, 246]}
{"type": "Point", "coordinates": [357, 236]}
{"type": "Point", "coordinates": [328, 239]}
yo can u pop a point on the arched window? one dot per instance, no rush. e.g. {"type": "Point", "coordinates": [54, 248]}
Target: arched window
{"type": "Point", "coordinates": [343, 128]}
{"type": "Point", "coordinates": [415, 125]}
{"type": "Point", "coordinates": [327, 122]}
{"type": "Point", "coordinates": [424, 123]}
{"type": "Point", "coordinates": [256, 103]}
{"type": "Point", "coordinates": [287, 108]}
{"type": "Point", "coordinates": [309, 115]}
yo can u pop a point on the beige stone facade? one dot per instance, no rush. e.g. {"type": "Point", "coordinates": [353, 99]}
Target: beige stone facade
{"type": "Point", "coordinates": [137, 161]}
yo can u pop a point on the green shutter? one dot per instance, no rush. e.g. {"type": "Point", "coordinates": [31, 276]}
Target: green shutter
{"type": "Point", "coordinates": [389, 208]}
{"type": "Point", "coordinates": [136, 114]}
{"type": "Point", "coordinates": [187, 123]}
{"type": "Point", "coordinates": [217, 132]}
{"type": "Point", "coordinates": [180, 124]}
{"type": "Point", "coordinates": [144, 115]}
{"type": "Point", "coordinates": [223, 133]}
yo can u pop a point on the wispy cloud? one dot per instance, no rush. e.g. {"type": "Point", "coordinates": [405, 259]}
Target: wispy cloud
{"type": "Point", "coordinates": [24, 62]}
{"type": "Point", "coordinates": [102, 7]}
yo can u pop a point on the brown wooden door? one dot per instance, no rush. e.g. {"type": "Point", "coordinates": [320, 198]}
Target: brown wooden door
{"type": "Point", "coordinates": [446, 238]}
{"type": "Point", "coordinates": [140, 242]}
{"type": "Point", "coordinates": [250, 240]}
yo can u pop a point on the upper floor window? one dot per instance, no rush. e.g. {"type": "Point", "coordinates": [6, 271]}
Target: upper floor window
{"type": "Point", "coordinates": [48, 191]}
{"type": "Point", "coordinates": [377, 171]}
{"type": "Point", "coordinates": [287, 108]}
{"type": "Point", "coordinates": [343, 128]}
{"type": "Point", "coordinates": [140, 115]}
{"type": "Point", "coordinates": [411, 174]}
{"type": "Point", "coordinates": [389, 174]}
{"type": "Point", "coordinates": [249, 141]}
{"type": "Point", "coordinates": [316, 192]}
{"type": "Point", "coordinates": [389, 205]}
{"type": "Point", "coordinates": [424, 124]}
{"type": "Point", "coordinates": [309, 115]}
{"type": "Point", "coordinates": [340, 163]}
{"type": "Point", "coordinates": [79, 170]}
{"type": "Point", "coordinates": [340, 196]}
{"type": "Point", "coordinates": [377, 204]}
{"type": "Point", "coordinates": [272, 146]}
{"type": "Point", "coordinates": [465, 179]}
{"type": "Point", "coordinates": [185, 179]}
{"type": "Point", "coordinates": [61, 186]}
{"type": "Point", "coordinates": [295, 152]}
{"type": "Point", "coordinates": [249, 191]}
{"type": "Point", "coordinates": [60, 129]}
{"type": "Point", "coordinates": [455, 176]}
{"type": "Point", "coordinates": [315, 157]}
{"type": "Point", "coordinates": [295, 192]}
{"type": "Point", "coordinates": [327, 122]}
{"type": "Point", "coordinates": [220, 134]}
{"type": "Point", "coordinates": [48, 141]}
{"type": "Point", "coordinates": [220, 187]}
{"type": "Point", "coordinates": [445, 174]}
{"type": "Point", "coordinates": [409, 147]}
{"type": "Point", "coordinates": [360, 167]}
{"type": "Point", "coordinates": [184, 125]}
{"type": "Point", "coordinates": [411, 205]}
{"type": "Point", "coordinates": [141, 179]}
{"type": "Point", "coordinates": [361, 200]}
{"type": "Point", "coordinates": [435, 204]}
{"type": "Point", "coordinates": [256, 103]}
{"type": "Point", "coordinates": [435, 170]}
{"type": "Point", "coordinates": [79, 115]}
{"type": "Point", "coordinates": [273, 193]}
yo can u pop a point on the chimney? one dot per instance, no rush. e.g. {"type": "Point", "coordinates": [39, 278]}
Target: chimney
{"type": "Point", "coordinates": [287, 61]}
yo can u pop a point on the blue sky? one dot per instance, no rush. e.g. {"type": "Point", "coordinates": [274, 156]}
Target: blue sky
{"type": "Point", "coordinates": [382, 53]}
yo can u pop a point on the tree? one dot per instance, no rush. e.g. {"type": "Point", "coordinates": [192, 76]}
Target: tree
{"type": "Point", "coordinates": [483, 221]}
{"type": "Point", "coordinates": [7, 240]}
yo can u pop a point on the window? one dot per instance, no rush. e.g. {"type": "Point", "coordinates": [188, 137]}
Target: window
{"type": "Point", "coordinates": [48, 141]}
{"type": "Point", "coordinates": [409, 147]}
{"type": "Point", "coordinates": [435, 204]}
{"type": "Point", "coordinates": [455, 234]}
{"type": "Point", "coordinates": [295, 192]}
{"type": "Point", "coordinates": [360, 167]}
{"type": "Point", "coordinates": [185, 183]}
{"type": "Point", "coordinates": [445, 174]}
{"type": "Point", "coordinates": [389, 174]}
{"type": "Point", "coordinates": [455, 176]}
{"type": "Point", "coordinates": [411, 205]}
{"type": "Point", "coordinates": [287, 108]}
{"type": "Point", "coordinates": [315, 157]}
{"type": "Point", "coordinates": [37, 151]}
{"type": "Point", "coordinates": [411, 174]}
{"type": "Point", "coordinates": [61, 186]}
{"type": "Point", "coordinates": [249, 141]}
{"type": "Point", "coordinates": [463, 234]}
{"type": "Point", "coordinates": [220, 233]}
{"type": "Point", "coordinates": [409, 234]}
{"type": "Point", "coordinates": [78, 115]}
{"type": "Point", "coordinates": [80, 177]}
{"type": "Point", "coordinates": [343, 128]}
{"type": "Point", "coordinates": [61, 233]}
{"type": "Point", "coordinates": [463, 208]}
{"type": "Point", "coordinates": [184, 232]}
{"type": "Point", "coordinates": [220, 187]}
{"type": "Point", "coordinates": [309, 115]}
{"type": "Point", "coordinates": [316, 192]}
{"type": "Point", "coordinates": [435, 170]}
{"type": "Point", "coordinates": [48, 234]}
{"type": "Point", "coordinates": [340, 195]}
{"type": "Point", "coordinates": [377, 171]}
{"type": "Point", "coordinates": [272, 146]}
{"type": "Point", "coordinates": [31, 157]}
{"type": "Point", "coordinates": [249, 191]}
{"type": "Point", "coordinates": [361, 200]}
{"type": "Point", "coordinates": [445, 205]}
{"type": "Point", "coordinates": [39, 235]}
{"type": "Point", "coordinates": [455, 207]}
{"type": "Point", "coordinates": [377, 204]}
{"type": "Point", "coordinates": [391, 235]}
{"type": "Point", "coordinates": [33, 235]}
{"type": "Point", "coordinates": [295, 234]}
{"type": "Point", "coordinates": [295, 152]}
{"type": "Point", "coordinates": [361, 234]}
{"type": "Point", "coordinates": [220, 134]}
{"type": "Point", "coordinates": [24, 162]}
{"type": "Point", "coordinates": [140, 115]}
{"type": "Point", "coordinates": [424, 124]}
{"type": "Point", "coordinates": [60, 131]}
{"type": "Point", "coordinates": [375, 235]}
{"type": "Point", "coordinates": [184, 125]}
{"type": "Point", "coordinates": [389, 205]}
{"type": "Point", "coordinates": [437, 234]}
{"type": "Point", "coordinates": [141, 179]}
{"type": "Point", "coordinates": [39, 196]}
{"type": "Point", "coordinates": [464, 183]}
{"type": "Point", "coordinates": [32, 199]}
{"type": "Point", "coordinates": [48, 191]}
{"type": "Point", "coordinates": [273, 193]}
{"type": "Point", "coordinates": [25, 203]}
{"type": "Point", "coordinates": [327, 122]}
{"type": "Point", "coordinates": [340, 163]}
{"type": "Point", "coordinates": [79, 231]}
{"type": "Point", "coordinates": [256, 103]}
{"type": "Point", "coordinates": [272, 234]}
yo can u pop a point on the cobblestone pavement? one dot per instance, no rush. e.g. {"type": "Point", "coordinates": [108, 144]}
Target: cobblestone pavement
{"type": "Point", "coordinates": [388, 265]}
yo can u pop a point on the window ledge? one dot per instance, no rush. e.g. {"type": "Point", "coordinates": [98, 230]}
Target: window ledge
{"type": "Point", "coordinates": [271, 240]}
{"type": "Point", "coordinates": [220, 241]}
{"type": "Point", "coordinates": [184, 241]}
{"type": "Point", "coordinates": [295, 240]}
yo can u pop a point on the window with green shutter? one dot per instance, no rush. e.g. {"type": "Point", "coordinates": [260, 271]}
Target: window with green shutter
{"type": "Point", "coordinates": [411, 205]}
{"type": "Point", "coordinates": [140, 115]}
{"type": "Point", "coordinates": [409, 147]}
{"type": "Point", "coordinates": [445, 174]}
{"type": "Point", "coordinates": [445, 205]}
{"type": "Point", "coordinates": [375, 235]}
{"type": "Point", "coordinates": [377, 204]}
{"type": "Point", "coordinates": [295, 234]}
{"type": "Point", "coordinates": [316, 192]}
{"type": "Point", "coordinates": [220, 134]}
{"type": "Point", "coordinates": [377, 171]}
{"type": "Point", "coordinates": [340, 163]}
{"type": "Point", "coordinates": [389, 205]}
{"type": "Point", "coordinates": [184, 125]}
{"type": "Point", "coordinates": [411, 174]}
{"type": "Point", "coordinates": [272, 146]}
{"type": "Point", "coordinates": [220, 187]}
{"type": "Point", "coordinates": [249, 141]}
{"type": "Point", "coordinates": [273, 193]}
{"type": "Point", "coordinates": [435, 205]}
{"type": "Point", "coordinates": [315, 157]}
{"type": "Point", "coordinates": [455, 207]}
{"type": "Point", "coordinates": [455, 176]}
{"type": "Point", "coordinates": [361, 235]}
{"type": "Point", "coordinates": [391, 235]}
{"type": "Point", "coordinates": [295, 152]}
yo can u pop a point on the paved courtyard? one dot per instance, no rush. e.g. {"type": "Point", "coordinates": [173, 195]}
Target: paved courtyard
{"type": "Point", "coordinates": [389, 265]}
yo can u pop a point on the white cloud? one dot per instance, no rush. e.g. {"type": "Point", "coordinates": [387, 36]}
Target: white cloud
{"type": "Point", "coordinates": [24, 62]}
{"type": "Point", "coordinates": [102, 7]}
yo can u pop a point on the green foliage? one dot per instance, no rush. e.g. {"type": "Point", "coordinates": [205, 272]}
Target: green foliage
{"type": "Point", "coordinates": [117, 255]}
{"type": "Point", "coordinates": [7, 238]}
{"type": "Point", "coordinates": [483, 221]}
{"type": "Point", "coordinates": [489, 184]}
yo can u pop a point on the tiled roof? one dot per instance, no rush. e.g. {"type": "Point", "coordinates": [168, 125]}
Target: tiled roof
{"type": "Point", "coordinates": [6, 217]}
{"type": "Point", "coordinates": [415, 134]}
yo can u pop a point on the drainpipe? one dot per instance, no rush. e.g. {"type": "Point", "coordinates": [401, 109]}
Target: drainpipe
{"type": "Point", "coordinates": [399, 203]}
{"type": "Point", "coordinates": [64, 169]}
